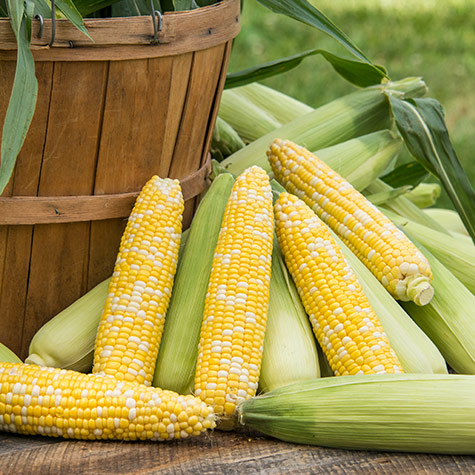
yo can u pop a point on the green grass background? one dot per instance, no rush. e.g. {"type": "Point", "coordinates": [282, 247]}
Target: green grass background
{"type": "Point", "coordinates": [434, 39]}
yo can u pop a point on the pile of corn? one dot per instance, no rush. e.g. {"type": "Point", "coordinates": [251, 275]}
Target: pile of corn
{"type": "Point", "coordinates": [294, 305]}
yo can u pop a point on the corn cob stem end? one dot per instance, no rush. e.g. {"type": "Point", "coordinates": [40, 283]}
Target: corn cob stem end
{"type": "Point", "coordinates": [415, 288]}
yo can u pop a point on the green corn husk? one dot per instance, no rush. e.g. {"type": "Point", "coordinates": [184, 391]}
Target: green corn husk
{"type": "Point", "coordinates": [403, 206]}
{"type": "Point", "coordinates": [246, 118]}
{"type": "Point", "coordinates": [424, 194]}
{"type": "Point", "coordinates": [225, 140]}
{"type": "Point", "coordinates": [67, 341]}
{"type": "Point", "coordinates": [448, 319]}
{"type": "Point", "coordinates": [7, 355]}
{"type": "Point", "coordinates": [404, 413]}
{"type": "Point", "coordinates": [449, 219]}
{"type": "Point", "coordinates": [356, 114]}
{"type": "Point", "coordinates": [175, 368]}
{"type": "Point", "coordinates": [290, 352]}
{"type": "Point", "coordinates": [416, 352]}
{"type": "Point", "coordinates": [455, 254]}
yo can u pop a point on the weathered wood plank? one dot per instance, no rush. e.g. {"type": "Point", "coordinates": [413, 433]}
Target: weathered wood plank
{"type": "Point", "coordinates": [217, 453]}
{"type": "Point", "coordinates": [15, 241]}
{"type": "Point", "coordinates": [59, 253]}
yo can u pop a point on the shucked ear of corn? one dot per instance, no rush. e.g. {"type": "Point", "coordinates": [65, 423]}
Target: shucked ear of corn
{"type": "Point", "coordinates": [290, 352]}
{"type": "Point", "coordinates": [387, 252]}
{"type": "Point", "coordinates": [67, 340]}
{"type": "Point", "coordinates": [131, 325]}
{"type": "Point", "coordinates": [175, 368]}
{"type": "Point", "coordinates": [58, 402]}
{"type": "Point", "coordinates": [234, 318]}
{"type": "Point", "coordinates": [407, 413]}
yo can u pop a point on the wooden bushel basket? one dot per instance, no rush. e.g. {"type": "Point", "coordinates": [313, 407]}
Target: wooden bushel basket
{"type": "Point", "coordinates": [109, 116]}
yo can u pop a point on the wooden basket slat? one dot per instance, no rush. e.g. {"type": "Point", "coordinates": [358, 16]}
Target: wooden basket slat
{"type": "Point", "coordinates": [60, 253]}
{"type": "Point", "coordinates": [16, 241]}
{"type": "Point", "coordinates": [188, 149]}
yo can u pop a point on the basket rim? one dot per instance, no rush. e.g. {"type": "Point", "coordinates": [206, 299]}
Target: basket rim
{"type": "Point", "coordinates": [121, 38]}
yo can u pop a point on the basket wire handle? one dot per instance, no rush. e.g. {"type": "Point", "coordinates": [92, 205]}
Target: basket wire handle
{"type": "Point", "coordinates": [53, 23]}
{"type": "Point", "coordinates": [157, 20]}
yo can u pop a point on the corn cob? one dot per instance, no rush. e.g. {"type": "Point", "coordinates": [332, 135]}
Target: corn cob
{"type": "Point", "coordinates": [175, 368]}
{"type": "Point", "coordinates": [139, 291]}
{"type": "Point", "coordinates": [290, 350]}
{"type": "Point", "coordinates": [344, 323]}
{"type": "Point", "coordinates": [7, 355]}
{"type": "Point", "coordinates": [67, 340]}
{"type": "Point", "coordinates": [356, 114]}
{"type": "Point", "coordinates": [404, 413]}
{"type": "Point", "coordinates": [234, 319]}
{"type": "Point", "coordinates": [386, 251]}
{"type": "Point", "coordinates": [448, 319]}
{"type": "Point", "coordinates": [55, 402]}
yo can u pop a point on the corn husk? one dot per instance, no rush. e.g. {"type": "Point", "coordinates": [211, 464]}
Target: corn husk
{"type": "Point", "coordinates": [178, 351]}
{"type": "Point", "coordinates": [225, 140]}
{"type": "Point", "coordinates": [7, 355]}
{"type": "Point", "coordinates": [356, 114]}
{"type": "Point", "coordinates": [67, 340]}
{"type": "Point", "coordinates": [290, 352]}
{"type": "Point", "coordinates": [449, 219]}
{"type": "Point", "coordinates": [404, 413]}
{"type": "Point", "coordinates": [449, 318]}
{"type": "Point", "coordinates": [424, 194]}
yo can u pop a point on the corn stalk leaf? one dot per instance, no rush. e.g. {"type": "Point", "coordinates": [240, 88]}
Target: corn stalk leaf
{"type": "Point", "coordinates": [411, 173]}
{"type": "Point", "coordinates": [422, 125]}
{"type": "Point", "coordinates": [69, 10]}
{"type": "Point", "coordinates": [356, 72]}
{"type": "Point", "coordinates": [302, 11]}
{"type": "Point", "coordinates": [21, 106]}
{"type": "Point", "coordinates": [3, 8]}
{"type": "Point", "coordinates": [134, 8]}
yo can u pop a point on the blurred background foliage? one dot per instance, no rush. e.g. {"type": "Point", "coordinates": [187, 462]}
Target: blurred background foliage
{"type": "Point", "coordinates": [429, 38]}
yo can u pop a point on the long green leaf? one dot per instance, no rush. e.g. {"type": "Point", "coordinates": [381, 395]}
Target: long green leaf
{"type": "Point", "coordinates": [69, 10]}
{"type": "Point", "coordinates": [411, 173]}
{"type": "Point", "coordinates": [23, 97]}
{"type": "Point", "coordinates": [421, 123]}
{"type": "Point", "coordinates": [302, 11]}
{"type": "Point", "coordinates": [3, 8]}
{"type": "Point", "coordinates": [356, 72]}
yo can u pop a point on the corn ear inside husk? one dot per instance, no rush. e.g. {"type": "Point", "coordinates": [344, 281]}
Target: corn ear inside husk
{"type": "Point", "coordinates": [449, 318]}
{"type": "Point", "coordinates": [225, 140]}
{"type": "Point", "coordinates": [356, 114]}
{"type": "Point", "coordinates": [424, 194]}
{"type": "Point", "coordinates": [458, 255]}
{"type": "Point", "coordinates": [416, 352]}
{"type": "Point", "coordinates": [290, 352]}
{"type": "Point", "coordinates": [175, 368]}
{"type": "Point", "coordinates": [67, 340]}
{"type": "Point", "coordinates": [404, 413]}
{"type": "Point", "coordinates": [7, 355]}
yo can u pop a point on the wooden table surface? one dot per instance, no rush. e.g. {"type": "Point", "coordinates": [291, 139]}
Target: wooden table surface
{"type": "Point", "coordinates": [215, 453]}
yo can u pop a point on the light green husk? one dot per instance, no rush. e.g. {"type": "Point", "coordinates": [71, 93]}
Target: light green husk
{"type": "Point", "coordinates": [448, 319]}
{"type": "Point", "coordinates": [448, 218]}
{"type": "Point", "coordinates": [176, 363]}
{"type": "Point", "coordinates": [406, 413]}
{"type": "Point", "coordinates": [7, 355]}
{"type": "Point", "coordinates": [455, 254]}
{"type": "Point", "coordinates": [290, 352]}
{"type": "Point", "coordinates": [225, 140]}
{"type": "Point", "coordinates": [424, 194]}
{"type": "Point", "coordinates": [416, 352]}
{"type": "Point", "coordinates": [67, 340]}
{"type": "Point", "coordinates": [356, 114]}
